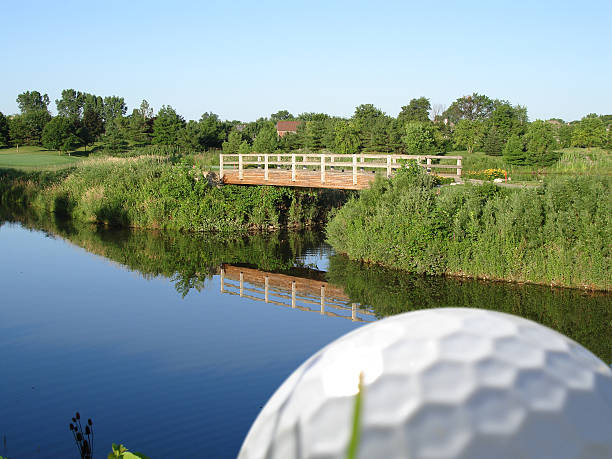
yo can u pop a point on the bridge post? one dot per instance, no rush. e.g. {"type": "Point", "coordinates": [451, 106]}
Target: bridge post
{"type": "Point", "coordinates": [266, 167]}
{"type": "Point", "coordinates": [354, 169]}
{"type": "Point", "coordinates": [459, 167]}
{"type": "Point", "coordinates": [388, 166]}
{"type": "Point", "coordinates": [221, 167]}
{"type": "Point", "coordinates": [322, 299]}
{"type": "Point", "coordinates": [222, 277]}
{"type": "Point", "coordinates": [293, 294]}
{"type": "Point", "coordinates": [266, 288]}
{"type": "Point", "coordinates": [428, 164]}
{"type": "Point", "coordinates": [293, 167]}
{"type": "Point", "coordinates": [354, 312]}
{"type": "Point", "coordinates": [322, 168]}
{"type": "Point", "coordinates": [241, 283]}
{"type": "Point", "coordinates": [240, 175]}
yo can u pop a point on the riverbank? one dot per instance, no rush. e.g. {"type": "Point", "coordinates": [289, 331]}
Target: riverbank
{"type": "Point", "coordinates": [162, 193]}
{"type": "Point", "coordinates": [558, 234]}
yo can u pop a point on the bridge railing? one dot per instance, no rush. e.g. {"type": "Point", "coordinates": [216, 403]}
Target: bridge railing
{"type": "Point", "coordinates": [356, 163]}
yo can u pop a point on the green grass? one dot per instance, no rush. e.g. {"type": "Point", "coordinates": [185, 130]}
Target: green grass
{"type": "Point", "coordinates": [595, 162]}
{"type": "Point", "coordinates": [30, 158]}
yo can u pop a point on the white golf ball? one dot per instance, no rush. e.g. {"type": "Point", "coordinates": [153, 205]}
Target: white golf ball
{"type": "Point", "coordinates": [443, 383]}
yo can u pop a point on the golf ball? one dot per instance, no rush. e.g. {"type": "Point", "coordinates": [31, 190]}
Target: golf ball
{"type": "Point", "coordinates": [442, 383]}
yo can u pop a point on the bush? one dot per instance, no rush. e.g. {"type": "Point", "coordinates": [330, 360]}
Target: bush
{"type": "Point", "coordinates": [558, 234]}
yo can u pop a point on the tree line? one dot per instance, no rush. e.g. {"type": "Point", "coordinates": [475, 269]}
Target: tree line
{"type": "Point", "coordinates": [474, 123]}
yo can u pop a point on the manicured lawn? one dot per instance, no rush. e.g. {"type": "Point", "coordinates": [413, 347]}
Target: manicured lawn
{"type": "Point", "coordinates": [34, 158]}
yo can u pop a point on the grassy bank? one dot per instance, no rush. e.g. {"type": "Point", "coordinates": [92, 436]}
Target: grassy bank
{"type": "Point", "coordinates": [557, 234]}
{"type": "Point", "coordinates": [158, 192]}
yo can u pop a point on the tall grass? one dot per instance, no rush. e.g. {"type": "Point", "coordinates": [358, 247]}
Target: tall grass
{"type": "Point", "coordinates": [154, 191]}
{"type": "Point", "coordinates": [558, 234]}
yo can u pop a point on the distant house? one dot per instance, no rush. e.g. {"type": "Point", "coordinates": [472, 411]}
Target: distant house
{"type": "Point", "coordinates": [283, 127]}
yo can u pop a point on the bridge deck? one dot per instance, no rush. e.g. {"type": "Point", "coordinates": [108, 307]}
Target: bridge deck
{"type": "Point", "coordinates": [307, 179]}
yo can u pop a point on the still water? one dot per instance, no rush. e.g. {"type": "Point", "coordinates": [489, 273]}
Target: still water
{"type": "Point", "coordinates": [166, 340]}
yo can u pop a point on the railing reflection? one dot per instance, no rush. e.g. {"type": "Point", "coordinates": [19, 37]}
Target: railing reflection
{"type": "Point", "coordinates": [292, 292]}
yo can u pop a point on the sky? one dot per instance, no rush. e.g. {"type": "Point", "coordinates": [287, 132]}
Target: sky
{"type": "Point", "coordinates": [243, 60]}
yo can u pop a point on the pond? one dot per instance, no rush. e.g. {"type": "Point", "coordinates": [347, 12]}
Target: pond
{"type": "Point", "coordinates": [172, 343]}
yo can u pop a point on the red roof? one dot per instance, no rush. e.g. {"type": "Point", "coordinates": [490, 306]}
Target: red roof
{"type": "Point", "coordinates": [287, 126]}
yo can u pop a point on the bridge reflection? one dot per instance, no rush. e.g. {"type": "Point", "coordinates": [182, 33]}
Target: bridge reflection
{"type": "Point", "coordinates": [294, 292]}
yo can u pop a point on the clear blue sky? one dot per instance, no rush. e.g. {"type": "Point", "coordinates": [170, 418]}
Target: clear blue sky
{"type": "Point", "coordinates": [243, 60]}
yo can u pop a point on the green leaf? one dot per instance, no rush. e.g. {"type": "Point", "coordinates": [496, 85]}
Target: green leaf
{"type": "Point", "coordinates": [355, 434]}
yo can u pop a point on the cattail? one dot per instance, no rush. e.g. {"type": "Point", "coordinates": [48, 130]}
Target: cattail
{"type": "Point", "coordinates": [71, 427]}
{"type": "Point", "coordinates": [87, 431]}
{"type": "Point", "coordinates": [89, 421]}
{"type": "Point", "coordinates": [78, 416]}
{"type": "Point", "coordinates": [73, 419]}
{"type": "Point", "coordinates": [79, 436]}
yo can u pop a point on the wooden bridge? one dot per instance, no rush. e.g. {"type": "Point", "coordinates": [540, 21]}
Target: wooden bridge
{"type": "Point", "coordinates": [291, 292]}
{"type": "Point", "coordinates": [349, 172]}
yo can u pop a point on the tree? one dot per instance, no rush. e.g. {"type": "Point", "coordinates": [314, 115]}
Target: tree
{"type": "Point", "coordinates": [71, 104]}
{"type": "Point", "coordinates": [474, 107]}
{"type": "Point", "coordinates": [468, 134]}
{"type": "Point", "coordinates": [138, 128]}
{"type": "Point", "coordinates": [419, 137]}
{"type": "Point", "coordinates": [32, 101]}
{"type": "Point", "coordinates": [346, 138]}
{"type": "Point", "coordinates": [565, 132]}
{"type": "Point", "coordinates": [4, 131]}
{"type": "Point", "coordinates": [494, 141]}
{"type": "Point", "coordinates": [190, 136]}
{"type": "Point", "coordinates": [364, 118]}
{"type": "Point", "coordinates": [416, 110]}
{"type": "Point", "coordinates": [114, 139]}
{"type": "Point", "coordinates": [211, 131]}
{"type": "Point", "coordinates": [18, 131]}
{"type": "Point", "coordinates": [267, 140]}
{"type": "Point", "coordinates": [590, 132]}
{"type": "Point", "coordinates": [514, 152]}
{"type": "Point", "coordinates": [167, 126]}
{"type": "Point", "coordinates": [145, 110]}
{"type": "Point", "coordinates": [92, 121]}
{"type": "Point", "coordinates": [114, 107]}
{"type": "Point", "coordinates": [281, 115]}
{"type": "Point", "coordinates": [231, 146]}
{"type": "Point", "coordinates": [540, 142]}
{"type": "Point", "coordinates": [56, 133]}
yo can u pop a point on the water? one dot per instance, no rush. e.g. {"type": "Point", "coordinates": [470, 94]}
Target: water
{"type": "Point", "coordinates": [133, 330]}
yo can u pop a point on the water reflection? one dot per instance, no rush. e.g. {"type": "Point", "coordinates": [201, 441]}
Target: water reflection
{"type": "Point", "coordinates": [280, 269]}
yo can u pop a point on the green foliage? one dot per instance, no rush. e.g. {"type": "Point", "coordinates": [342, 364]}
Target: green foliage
{"type": "Point", "coordinates": [282, 115]}
{"type": "Point", "coordinates": [266, 140]}
{"type": "Point", "coordinates": [416, 110]}
{"type": "Point", "coordinates": [420, 137]}
{"type": "Point", "coordinates": [56, 133]}
{"type": "Point", "coordinates": [514, 152]}
{"type": "Point", "coordinates": [92, 121]}
{"type": "Point", "coordinates": [167, 126]}
{"type": "Point", "coordinates": [71, 104]}
{"type": "Point", "coordinates": [32, 101]}
{"type": "Point", "coordinates": [356, 427]}
{"type": "Point", "coordinates": [121, 452]}
{"type": "Point", "coordinates": [590, 132]}
{"type": "Point", "coordinates": [468, 134]}
{"type": "Point", "coordinates": [4, 131]}
{"type": "Point", "coordinates": [556, 235]}
{"type": "Point", "coordinates": [493, 142]}
{"type": "Point", "coordinates": [114, 140]}
{"type": "Point", "coordinates": [564, 133]}
{"type": "Point", "coordinates": [541, 143]}
{"type": "Point", "coordinates": [474, 107]}
{"type": "Point", "coordinates": [346, 138]}
{"type": "Point", "coordinates": [232, 145]}
{"type": "Point", "coordinates": [154, 192]}
{"type": "Point", "coordinates": [113, 108]}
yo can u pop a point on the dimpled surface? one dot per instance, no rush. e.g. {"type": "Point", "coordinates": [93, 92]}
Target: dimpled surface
{"type": "Point", "coordinates": [443, 383]}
